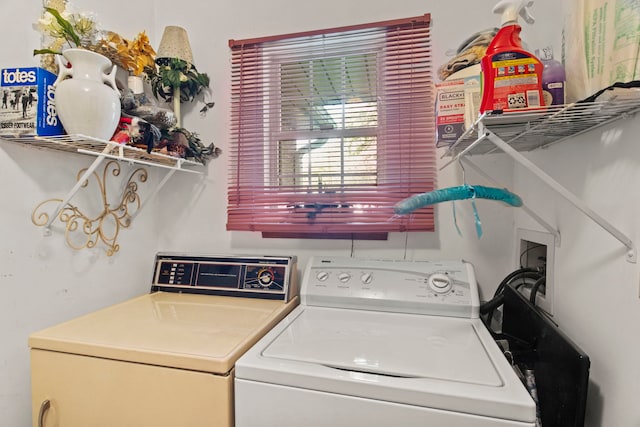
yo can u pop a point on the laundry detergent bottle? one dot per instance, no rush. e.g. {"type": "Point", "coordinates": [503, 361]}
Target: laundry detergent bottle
{"type": "Point", "coordinates": [511, 76]}
{"type": "Point", "coordinates": [554, 78]}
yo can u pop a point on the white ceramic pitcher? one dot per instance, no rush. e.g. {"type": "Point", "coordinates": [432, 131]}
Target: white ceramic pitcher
{"type": "Point", "coordinates": [87, 100]}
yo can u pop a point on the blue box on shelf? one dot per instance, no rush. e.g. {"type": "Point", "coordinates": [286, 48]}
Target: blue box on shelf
{"type": "Point", "coordinates": [28, 103]}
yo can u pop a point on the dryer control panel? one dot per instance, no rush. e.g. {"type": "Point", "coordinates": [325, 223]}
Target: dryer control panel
{"type": "Point", "coordinates": [268, 277]}
{"type": "Point", "coordinates": [446, 288]}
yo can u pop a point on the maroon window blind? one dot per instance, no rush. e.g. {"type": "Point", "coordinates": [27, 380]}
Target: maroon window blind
{"type": "Point", "coordinates": [329, 129]}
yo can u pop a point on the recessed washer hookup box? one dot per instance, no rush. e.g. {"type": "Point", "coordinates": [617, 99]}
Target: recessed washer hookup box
{"type": "Point", "coordinates": [28, 103]}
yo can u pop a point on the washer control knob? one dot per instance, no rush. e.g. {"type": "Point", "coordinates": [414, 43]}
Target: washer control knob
{"type": "Point", "coordinates": [366, 278]}
{"type": "Point", "coordinates": [344, 277]}
{"type": "Point", "coordinates": [440, 283]}
{"type": "Point", "coordinates": [322, 276]}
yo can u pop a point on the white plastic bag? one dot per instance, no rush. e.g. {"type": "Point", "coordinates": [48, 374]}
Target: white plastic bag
{"type": "Point", "coordinates": [602, 42]}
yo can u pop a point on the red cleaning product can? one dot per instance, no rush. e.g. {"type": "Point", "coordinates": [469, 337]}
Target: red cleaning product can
{"type": "Point", "coordinates": [511, 76]}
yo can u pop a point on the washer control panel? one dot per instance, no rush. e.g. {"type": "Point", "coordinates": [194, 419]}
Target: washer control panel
{"type": "Point", "coordinates": [247, 276]}
{"type": "Point", "coordinates": [445, 288]}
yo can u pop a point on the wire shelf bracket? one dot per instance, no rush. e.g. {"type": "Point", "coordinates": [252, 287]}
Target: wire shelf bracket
{"type": "Point", "coordinates": [103, 150]}
{"type": "Point", "coordinates": [631, 255]}
{"type": "Point", "coordinates": [515, 131]}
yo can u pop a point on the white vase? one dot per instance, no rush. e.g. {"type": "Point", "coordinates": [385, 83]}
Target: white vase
{"type": "Point", "coordinates": [87, 100]}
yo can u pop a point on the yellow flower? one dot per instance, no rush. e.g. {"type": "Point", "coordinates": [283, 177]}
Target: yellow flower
{"type": "Point", "coordinates": [134, 56]}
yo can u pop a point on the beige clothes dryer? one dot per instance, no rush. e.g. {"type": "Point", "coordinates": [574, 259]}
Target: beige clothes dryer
{"type": "Point", "coordinates": [164, 359]}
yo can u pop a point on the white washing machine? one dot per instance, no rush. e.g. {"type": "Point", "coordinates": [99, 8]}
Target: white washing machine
{"type": "Point", "coordinates": [381, 343]}
{"type": "Point", "coordinates": [165, 359]}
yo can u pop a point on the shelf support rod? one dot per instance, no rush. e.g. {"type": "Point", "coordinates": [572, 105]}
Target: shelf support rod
{"type": "Point", "coordinates": [85, 176]}
{"type": "Point", "coordinates": [555, 185]}
{"type": "Point", "coordinates": [553, 231]}
{"type": "Point", "coordinates": [165, 179]}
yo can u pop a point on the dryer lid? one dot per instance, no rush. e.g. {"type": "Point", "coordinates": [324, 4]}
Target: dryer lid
{"type": "Point", "coordinates": [205, 333]}
{"type": "Point", "coordinates": [389, 344]}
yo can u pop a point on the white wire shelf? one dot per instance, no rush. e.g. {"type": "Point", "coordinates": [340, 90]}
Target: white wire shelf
{"type": "Point", "coordinates": [514, 132]}
{"type": "Point", "coordinates": [107, 149]}
{"type": "Point", "coordinates": [100, 150]}
{"type": "Point", "coordinates": [532, 129]}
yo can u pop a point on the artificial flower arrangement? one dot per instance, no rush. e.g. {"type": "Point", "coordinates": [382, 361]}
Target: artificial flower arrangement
{"type": "Point", "coordinates": [58, 31]}
{"type": "Point", "coordinates": [62, 28]}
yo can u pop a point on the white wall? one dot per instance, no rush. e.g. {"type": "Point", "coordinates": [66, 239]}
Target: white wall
{"type": "Point", "coordinates": [597, 291]}
{"type": "Point", "coordinates": [246, 19]}
{"type": "Point", "coordinates": [44, 282]}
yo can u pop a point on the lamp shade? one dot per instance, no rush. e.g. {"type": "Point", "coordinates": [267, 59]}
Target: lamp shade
{"type": "Point", "coordinates": [174, 44]}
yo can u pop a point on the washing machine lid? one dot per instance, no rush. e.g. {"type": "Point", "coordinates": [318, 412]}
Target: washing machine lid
{"type": "Point", "coordinates": [432, 361]}
{"type": "Point", "coordinates": [397, 345]}
{"type": "Point", "coordinates": [196, 332]}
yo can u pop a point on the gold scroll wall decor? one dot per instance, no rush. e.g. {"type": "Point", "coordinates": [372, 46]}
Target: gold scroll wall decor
{"type": "Point", "coordinates": [83, 231]}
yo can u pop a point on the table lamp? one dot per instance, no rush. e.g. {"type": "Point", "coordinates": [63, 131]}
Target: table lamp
{"type": "Point", "coordinates": [175, 44]}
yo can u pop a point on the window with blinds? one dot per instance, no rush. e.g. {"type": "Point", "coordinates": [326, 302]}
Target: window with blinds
{"type": "Point", "coordinates": [330, 129]}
